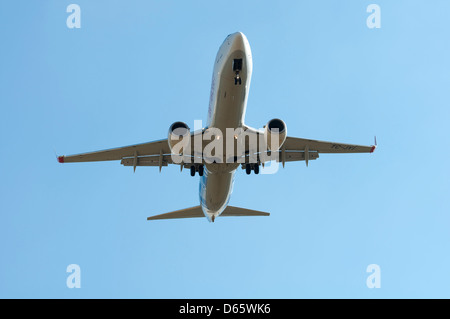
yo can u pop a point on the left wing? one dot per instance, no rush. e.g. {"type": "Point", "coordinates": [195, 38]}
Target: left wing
{"type": "Point", "coordinates": [301, 144]}
{"type": "Point", "coordinates": [301, 149]}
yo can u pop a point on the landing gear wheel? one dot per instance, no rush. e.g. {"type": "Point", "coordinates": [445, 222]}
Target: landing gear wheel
{"type": "Point", "coordinates": [256, 169]}
{"type": "Point", "coordinates": [248, 169]}
{"type": "Point", "coordinates": [192, 170]}
{"type": "Point", "coordinates": [237, 79]}
{"type": "Point", "coordinates": [200, 170]}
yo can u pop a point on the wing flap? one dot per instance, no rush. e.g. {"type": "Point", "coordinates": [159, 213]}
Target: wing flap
{"type": "Point", "coordinates": [153, 160]}
{"type": "Point", "coordinates": [289, 156]}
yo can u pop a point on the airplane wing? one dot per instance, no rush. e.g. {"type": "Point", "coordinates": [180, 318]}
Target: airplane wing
{"type": "Point", "coordinates": [156, 153]}
{"type": "Point", "coordinates": [301, 144]}
{"type": "Point", "coordinates": [144, 149]}
{"type": "Point", "coordinates": [301, 149]}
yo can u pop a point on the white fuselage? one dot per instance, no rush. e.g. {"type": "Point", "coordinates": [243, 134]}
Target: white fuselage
{"type": "Point", "coordinates": [227, 105]}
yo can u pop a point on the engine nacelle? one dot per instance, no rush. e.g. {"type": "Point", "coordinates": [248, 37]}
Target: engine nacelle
{"type": "Point", "coordinates": [179, 137]}
{"type": "Point", "coordinates": [275, 133]}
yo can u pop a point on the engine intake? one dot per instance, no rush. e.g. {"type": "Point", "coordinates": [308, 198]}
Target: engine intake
{"type": "Point", "coordinates": [275, 133]}
{"type": "Point", "coordinates": [179, 137]}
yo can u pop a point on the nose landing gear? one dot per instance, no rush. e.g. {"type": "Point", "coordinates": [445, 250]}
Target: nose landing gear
{"type": "Point", "coordinates": [237, 79]}
{"type": "Point", "coordinates": [237, 67]}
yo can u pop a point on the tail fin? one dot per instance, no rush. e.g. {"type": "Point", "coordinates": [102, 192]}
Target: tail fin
{"type": "Point", "coordinates": [196, 211]}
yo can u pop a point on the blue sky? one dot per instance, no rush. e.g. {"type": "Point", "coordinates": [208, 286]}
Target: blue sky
{"type": "Point", "coordinates": [135, 67]}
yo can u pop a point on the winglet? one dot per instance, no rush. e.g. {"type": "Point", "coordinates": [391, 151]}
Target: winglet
{"type": "Point", "coordinates": [61, 159]}
{"type": "Point", "coordinates": [374, 146]}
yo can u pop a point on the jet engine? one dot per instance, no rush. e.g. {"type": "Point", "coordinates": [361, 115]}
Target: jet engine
{"type": "Point", "coordinates": [179, 137]}
{"type": "Point", "coordinates": [275, 134]}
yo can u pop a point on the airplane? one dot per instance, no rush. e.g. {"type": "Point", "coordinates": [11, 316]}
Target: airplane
{"type": "Point", "coordinates": [226, 113]}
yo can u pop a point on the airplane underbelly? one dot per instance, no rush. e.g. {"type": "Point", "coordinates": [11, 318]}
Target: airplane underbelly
{"type": "Point", "coordinates": [231, 99]}
{"type": "Point", "coordinates": [215, 190]}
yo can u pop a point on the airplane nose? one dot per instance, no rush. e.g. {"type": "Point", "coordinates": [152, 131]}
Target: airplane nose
{"type": "Point", "coordinates": [238, 36]}
{"type": "Point", "coordinates": [238, 41]}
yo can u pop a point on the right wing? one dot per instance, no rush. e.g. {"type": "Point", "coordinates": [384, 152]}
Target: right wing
{"type": "Point", "coordinates": [144, 149]}
{"type": "Point", "coordinates": [156, 153]}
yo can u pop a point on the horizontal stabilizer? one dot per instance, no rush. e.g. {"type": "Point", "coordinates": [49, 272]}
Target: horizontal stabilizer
{"type": "Point", "coordinates": [237, 211]}
{"type": "Point", "coordinates": [196, 211]}
{"type": "Point", "coordinates": [191, 212]}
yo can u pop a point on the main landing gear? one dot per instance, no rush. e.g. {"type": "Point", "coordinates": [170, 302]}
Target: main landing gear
{"type": "Point", "coordinates": [250, 167]}
{"type": "Point", "coordinates": [197, 168]}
